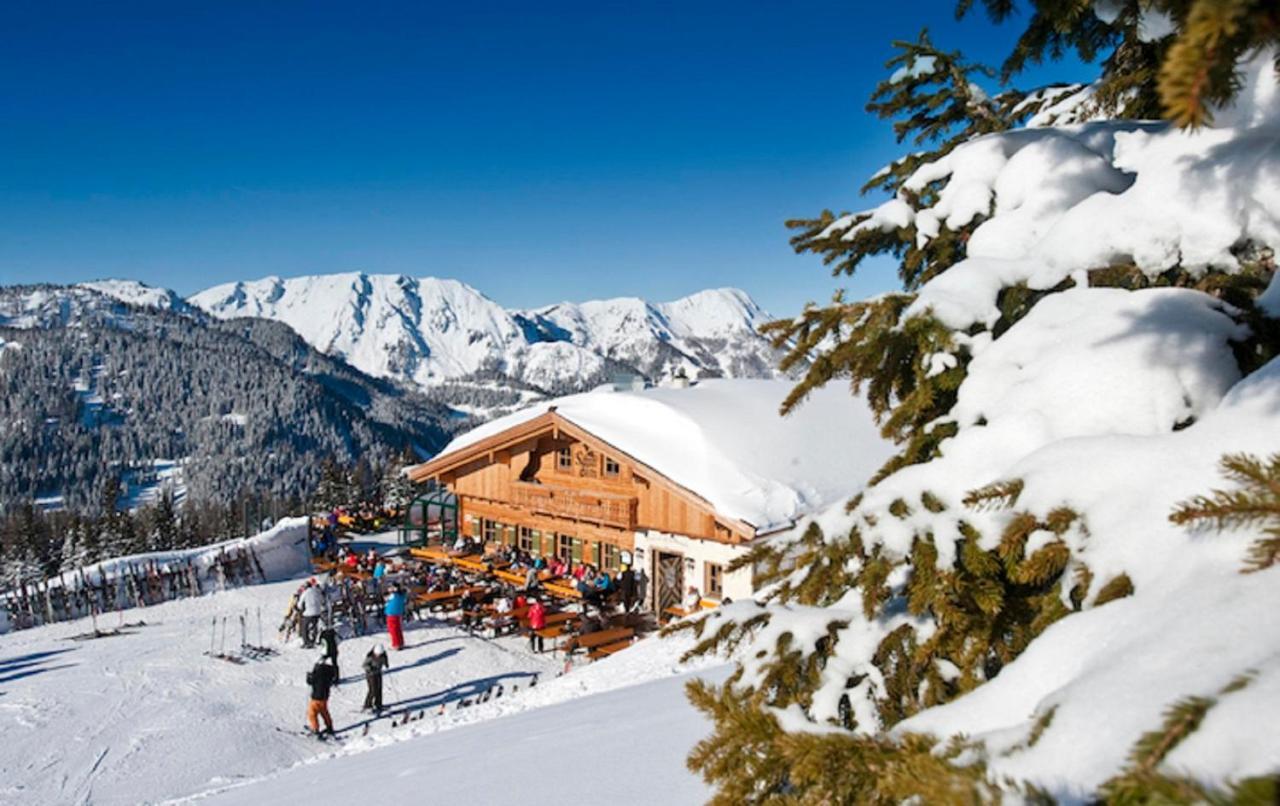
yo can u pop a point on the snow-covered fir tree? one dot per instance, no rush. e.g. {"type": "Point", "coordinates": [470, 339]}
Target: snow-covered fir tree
{"type": "Point", "coordinates": [1067, 274]}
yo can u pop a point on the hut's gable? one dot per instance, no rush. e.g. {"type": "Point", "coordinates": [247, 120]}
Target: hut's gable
{"type": "Point", "coordinates": [555, 474]}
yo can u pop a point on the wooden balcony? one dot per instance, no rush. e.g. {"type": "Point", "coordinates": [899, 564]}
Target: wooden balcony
{"type": "Point", "coordinates": [578, 505]}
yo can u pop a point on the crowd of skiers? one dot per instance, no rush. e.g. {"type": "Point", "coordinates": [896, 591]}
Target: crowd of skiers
{"type": "Point", "coordinates": [79, 593]}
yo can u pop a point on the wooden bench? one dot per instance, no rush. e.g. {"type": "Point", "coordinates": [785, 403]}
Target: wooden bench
{"type": "Point", "coordinates": [431, 554]}
{"type": "Point", "coordinates": [438, 598]}
{"type": "Point", "coordinates": [680, 612]}
{"type": "Point", "coordinates": [609, 649]}
{"type": "Point", "coordinates": [597, 639]}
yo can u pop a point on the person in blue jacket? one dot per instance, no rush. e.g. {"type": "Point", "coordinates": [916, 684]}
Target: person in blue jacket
{"type": "Point", "coordinates": [396, 603]}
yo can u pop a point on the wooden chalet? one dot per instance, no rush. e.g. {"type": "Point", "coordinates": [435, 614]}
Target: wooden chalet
{"type": "Point", "coordinates": [581, 479]}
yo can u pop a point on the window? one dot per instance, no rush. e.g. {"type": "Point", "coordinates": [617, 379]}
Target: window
{"type": "Point", "coordinates": [529, 538]}
{"type": "Point", "coordinates": [564, 547]}
{"type": "Point", "coordinates": [611, 467]}
{"type": "Point", "coordinates": [564, 458]}
{"type": "Point", "coordinates": [490, 531]}
{"type": "Point", "coordinates": [608, 556]}
{"type": "Point", "coordinates": [715, 581]}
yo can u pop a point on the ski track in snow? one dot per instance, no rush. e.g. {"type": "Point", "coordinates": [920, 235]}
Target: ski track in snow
{"type": "Point", "coordinates": [148, 716]}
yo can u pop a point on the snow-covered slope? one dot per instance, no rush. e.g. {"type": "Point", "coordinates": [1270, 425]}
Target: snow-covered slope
{"type": "Point", "coordinates": [147, 716]}
{"type": "Point", "coordinates": [136, 293]}
{"type": "Point", "coordinates": [428, 330]}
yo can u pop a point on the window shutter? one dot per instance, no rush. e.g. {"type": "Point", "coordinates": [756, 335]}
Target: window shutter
{"type": "Point", "coordinates": [577, 550]}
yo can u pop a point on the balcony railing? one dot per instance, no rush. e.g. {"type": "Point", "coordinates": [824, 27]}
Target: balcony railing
{"type": "Point", "coordinates": [562, 502]}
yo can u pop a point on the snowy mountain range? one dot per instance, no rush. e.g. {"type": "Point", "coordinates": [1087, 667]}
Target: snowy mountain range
{"type": "Point", "coordinates": [428, 331]}
{"type": "Point", "coordinates": [114, 379]}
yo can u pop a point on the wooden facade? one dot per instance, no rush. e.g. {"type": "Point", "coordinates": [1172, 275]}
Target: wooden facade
{"type": "Point", "coordinates": [555, 488]}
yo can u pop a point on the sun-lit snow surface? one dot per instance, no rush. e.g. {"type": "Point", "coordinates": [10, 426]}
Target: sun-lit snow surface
{"type": "Point", "coordinates": [725, 441]}
{"type": "Point", "coordinates": [136, 293]}
{"type": "Point", "coordinates": [621, 726]}
{"type": "Point", "coordinates": [429, 330]}
{"type": "Point", "coordinates": [146, 716]}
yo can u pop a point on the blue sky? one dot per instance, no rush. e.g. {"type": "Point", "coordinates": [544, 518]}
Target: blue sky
{"type": "Point", "coordinates": [537, 151]}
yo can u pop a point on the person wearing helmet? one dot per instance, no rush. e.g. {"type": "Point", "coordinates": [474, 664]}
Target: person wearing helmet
{"type": "Point", "coordinates": [321, 678]}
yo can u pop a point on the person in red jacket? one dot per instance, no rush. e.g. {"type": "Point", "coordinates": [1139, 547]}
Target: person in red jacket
{"type": "Point", "coordinates": [537, 620]}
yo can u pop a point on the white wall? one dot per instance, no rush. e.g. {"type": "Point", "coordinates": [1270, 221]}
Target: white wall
{"type": "Point", "coordinates": [737, 585]}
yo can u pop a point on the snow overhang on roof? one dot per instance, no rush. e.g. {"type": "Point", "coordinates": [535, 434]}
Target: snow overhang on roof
{"type": "Point", "coordinates": [722, 440]}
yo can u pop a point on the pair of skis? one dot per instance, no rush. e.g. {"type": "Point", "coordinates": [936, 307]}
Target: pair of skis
{"type": "Point", "coordinates": [247, 652]}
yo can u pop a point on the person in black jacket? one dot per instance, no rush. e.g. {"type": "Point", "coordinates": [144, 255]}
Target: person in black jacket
{"type": "Point", "coordinates": [321, 678]}
{"type": "Point", "coordinates": [374, 663]}
{"type": "Point", "coordinates": [329, 637]}
{"type": "Point", "coordinates": [627, 585]}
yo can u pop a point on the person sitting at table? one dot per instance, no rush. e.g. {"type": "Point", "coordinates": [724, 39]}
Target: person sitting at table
{"type": "Point", "coordinates": [531, 581]}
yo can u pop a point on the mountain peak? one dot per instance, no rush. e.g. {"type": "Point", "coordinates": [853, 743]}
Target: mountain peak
{"type": "Point", "coordinates": [429, 330]}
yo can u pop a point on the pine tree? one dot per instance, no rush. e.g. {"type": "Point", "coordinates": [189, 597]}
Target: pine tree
{"type": "Point", "coordinates": [943, 626]}
{"type": "Point", "coordinates": [397, 489]}
{"type": "Point", "coordinates": [161, 522]}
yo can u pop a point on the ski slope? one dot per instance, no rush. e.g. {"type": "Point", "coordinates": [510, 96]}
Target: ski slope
{"type": "Point", "coordinates": [146, 716]}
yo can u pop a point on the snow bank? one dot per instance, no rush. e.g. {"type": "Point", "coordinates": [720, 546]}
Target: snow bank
{"type": "Point", "coordinates": [725, 441]}
{"type": "Point", "coordinates": [282, 550]}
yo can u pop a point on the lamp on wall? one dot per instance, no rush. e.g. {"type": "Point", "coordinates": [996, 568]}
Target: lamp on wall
{"type": "Point", "coordinates": [690, 563]}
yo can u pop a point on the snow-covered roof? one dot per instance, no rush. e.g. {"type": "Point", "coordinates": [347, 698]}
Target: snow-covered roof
{"type": "Point", "coordinates": [725, 441]}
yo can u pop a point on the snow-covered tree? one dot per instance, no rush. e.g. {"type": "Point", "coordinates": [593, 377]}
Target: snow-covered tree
{"type": "Point", "coordinates": [1048, 253]}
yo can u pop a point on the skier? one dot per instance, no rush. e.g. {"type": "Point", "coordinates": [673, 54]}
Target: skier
{"type": "Point", "coordinates": [311, 603]}
{"type": "Point", "coordinates": [321, 678]}
{"type": "Point", "coordinates": [374, 663]}
{"type": "Point", "coordinates": [395, 612]}
{"type": "Point", "coordinates": [329, 637]}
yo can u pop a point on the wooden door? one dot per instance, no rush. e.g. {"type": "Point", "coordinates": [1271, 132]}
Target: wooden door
{"type": "Point", "coordinates": [668, 575]}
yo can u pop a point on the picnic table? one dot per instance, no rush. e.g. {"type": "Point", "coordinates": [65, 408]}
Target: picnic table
{"type": "Point", "coordinates": [476, 566]}
{"type": "Point", "coordinates": [562, 590]}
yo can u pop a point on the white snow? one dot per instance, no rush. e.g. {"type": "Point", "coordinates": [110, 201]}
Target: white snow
{"type": "Point", "coordinates": [1056, 200]}
{"type": "Point", "coordinates": [141, 294]}
{"type": "Point", "coordinates": [725, 441]}
{"type": "Point", "coordinates": [919, 66]}
{"type": "Point", "coordinates": [1190, 628]}
{"type": "Point", "coordinates": [428, 330]}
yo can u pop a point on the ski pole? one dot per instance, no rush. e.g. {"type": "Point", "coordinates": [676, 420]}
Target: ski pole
{"type": "Point", "coordinates": [222, 648]}
{"type": "Point", "coordinates": [213, 634]}
{"type": "Point", "coordinates": [261, 643]}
